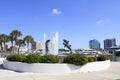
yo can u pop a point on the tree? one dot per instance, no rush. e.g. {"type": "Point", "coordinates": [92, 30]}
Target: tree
{"type": "Point", "coordinates": [12, 40]}
{"type": "Point", "coordinates": [20, 43]}
{"type": "Point", "coordinates": [28, 39]}
{"type": "Point", "coordinates": [4, 38]}
{"type": "Point", "coordinates": [13, 37]}
{"type": "Point", "coordinates": [1, 43]}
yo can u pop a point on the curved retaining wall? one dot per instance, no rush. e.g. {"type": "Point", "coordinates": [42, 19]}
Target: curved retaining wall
{"type": "Point", "coordinates": [55, 68]}
{"type": "Point", "coordinates": [1, 60]}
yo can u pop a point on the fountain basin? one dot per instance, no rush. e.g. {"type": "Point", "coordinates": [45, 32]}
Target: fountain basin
{"type": "Point", "coordinates": [55, 68]}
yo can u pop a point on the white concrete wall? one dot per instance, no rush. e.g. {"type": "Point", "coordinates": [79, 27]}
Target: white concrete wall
{"type": "Point", "coordinates": [1, 60]}
{"type": "Point", "coordinates": [94, 66]}
{"type": "Point", "coordinates": [55, 68]}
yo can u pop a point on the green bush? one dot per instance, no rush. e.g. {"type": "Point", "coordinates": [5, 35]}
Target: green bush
{"type": "Point", "coordinates": [76, 59]}
{"type": "Point", "coordinates": [103, 57]}
{"type": "Point", "coordinates": [49, 59]}
{"type": "Point", "coordinates": [16, 57]}
{"type": "Point", "coordinates": [92, 59]}
{"type": "Point", "coordinates": [33, 58]}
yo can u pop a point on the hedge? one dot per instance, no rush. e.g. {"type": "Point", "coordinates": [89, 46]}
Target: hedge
{"type": "Point", "coordinates": [76, 59]}
{"type": "Point", "coordinates": [103, 57]}
{"type": "Point", "coordinates": [92, 59]}
{"type": "Point", "coordinates": [16, 57]}
{"type": "Point", "coordinates": [49, 59]}
{"type": "Point", "coordinates": [33, 58]}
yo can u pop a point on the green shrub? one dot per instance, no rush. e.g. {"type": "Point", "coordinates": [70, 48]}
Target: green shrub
{"type": "Point", "coordinates": [16, 57]}
{"type": "Point", "coordinates": [33, 58]}
{"type": "Point", "coordinates": [92, 59]}
{"type": "Point", "coordinates": [103, 57]}
{"type": "Point", "coordinates": [49, 59]}
{"type": "Point", "coordinates": [76, 59]}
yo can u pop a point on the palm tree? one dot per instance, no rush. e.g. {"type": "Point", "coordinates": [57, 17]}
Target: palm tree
{"type": "Point", "coordinates": [20, 43]}
{"type": "Point", "coordinates": [4, 38]}
{"type": "Point", "coordinates": [13, 37]}
{"type": "Point", "coordinates": [28, 39]}
{"type": "Point", "coordinates": [12, 40]}
{"type": "Point", "coordinates": [0, 43]}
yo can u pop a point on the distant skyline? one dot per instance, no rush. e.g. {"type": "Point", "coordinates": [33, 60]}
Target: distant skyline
{"type": "Point", "coordinates": [76, 20]}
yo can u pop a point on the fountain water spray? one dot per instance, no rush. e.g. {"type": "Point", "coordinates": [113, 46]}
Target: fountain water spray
{"type": "Point", "coordinates": [54, 47]}
{"type": "Point", "coordinates": [44, 40]}
{"type": "Point", "coordinates": [55, 44]}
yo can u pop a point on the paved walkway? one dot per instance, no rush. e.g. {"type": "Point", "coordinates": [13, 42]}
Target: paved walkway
{"type": "Point", "coordinates": [111, 73]}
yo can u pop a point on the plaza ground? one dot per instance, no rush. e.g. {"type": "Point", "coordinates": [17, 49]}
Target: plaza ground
{"type": "Point", "coordinates": [112, 73]}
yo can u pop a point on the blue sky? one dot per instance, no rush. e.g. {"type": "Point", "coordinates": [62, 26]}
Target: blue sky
{"type": "Point", "coordinates": [76, 20]}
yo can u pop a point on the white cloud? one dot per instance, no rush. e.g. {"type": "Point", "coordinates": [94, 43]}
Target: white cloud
{"type": "Point", "coordinates": [56, 11]}
{"type": "Point", "coordinates": [100, 22]}
{"type": "Point", "coordinates": [103, 21]}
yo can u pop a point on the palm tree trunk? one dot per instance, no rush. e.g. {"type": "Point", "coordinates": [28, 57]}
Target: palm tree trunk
{"type": "Point", "coordinates": [28, 46]}
{"type": "Point", "coordinates": [1, 46]}
{"type": "Point", "coordinates": [4, 47]}
{"type": "Point", "coordinates": [12, 46]}
{"type": "Point", "coordinates": [18, 49]}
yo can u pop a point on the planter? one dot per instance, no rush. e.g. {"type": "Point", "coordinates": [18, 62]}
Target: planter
{"type": "Point", "coordinates": [55, 68]}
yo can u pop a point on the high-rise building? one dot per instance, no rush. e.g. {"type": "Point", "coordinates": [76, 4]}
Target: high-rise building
{"type": "Point", "coordinates": [7, 46]}
{"type": "Point", "coordinates": [108, 43]}
{"type": "Point", "coordinates": [36, 46]}
{"type": "Point", "coordinates": [94, 44]}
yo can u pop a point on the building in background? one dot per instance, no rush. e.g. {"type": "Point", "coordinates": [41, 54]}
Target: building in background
{"type": "Point", "coordinates": [94, 44]}
{"type": "Point", "coordinates": [7, 46]}
{"type": "Point", "coordinates": [22, 49]}
{"type": "Point", "coordinates": [108, 43]}
{"type": "Point", "coordinates": [36, 46]}
{"type": "Point", "coordinates": [91, 51]}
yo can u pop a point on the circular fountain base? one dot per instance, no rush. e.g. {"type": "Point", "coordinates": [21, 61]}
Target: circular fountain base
{"type": "Point", "coordinates": [55, 68]}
